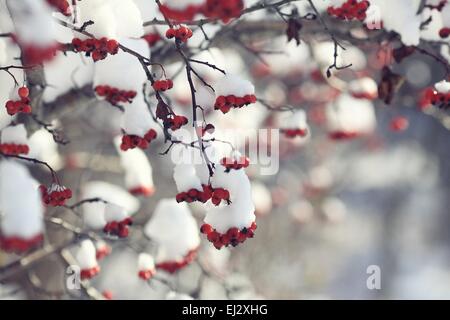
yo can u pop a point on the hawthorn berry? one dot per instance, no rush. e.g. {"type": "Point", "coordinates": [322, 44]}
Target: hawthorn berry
{"type": "Point", "coordinates": [186, 14]}
{"type": "Point", "coordinates": [350, 10]}
{"type": "Point", "coordinates": [152, 38]}
{"type": "Point", "coordinates": [114, 95]}
{"type": "Point", "coordinates": [174, 266]}
{"type": "Point", "coordinates": [224, 10]}
{"type": "Point", "coordinates": [55, 195]}
{"type": "Point", "coordinates": [293, 133]}
{"type": "Point", "coordinates": [235, 162]}
{"type": "Point", "coordinates": [14, 149]}
{"type": "Point", "coordinates": [225, 103]}
{"type": "Point", "coordinates": [19, 106]}
{"type": "Point", "coordinates": [118, 228]}
{"type": "Point", "coordinates": [20, 245]}
{"type": "Point", "coordinates": [163, 85]}
{"type": "Point", "coordinates": [62, 6]}
{"type": "Point", "coordinates": [98, 49]}
{"type": "Point", "coordinates": [134, 141]}
{"type": "Point", "coordinates": [181, 33]}
{"type": "Point", "coordinates": [233, 236]}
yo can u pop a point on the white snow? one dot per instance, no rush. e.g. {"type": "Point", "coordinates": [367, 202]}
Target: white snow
{"type": "Point", "coordinates": [114, 212]}
{"type": "Point", "coordinates": [146, 262]}
{"type": "Point", "coordinates": [20, 202]}
{"type": "Point", "coordinates": [442, 86]}
{"type": "Point", "coordinates": [14, 134]}
{"type": "Point", "coordinates": [186, 178]}
{"type": "Point", "coordinates": [86, 255]}
{"type": "Point", "coordinates": [137, 119]}
{"type": "Point", "coordinates": [174, 229]}
{"type": "Point", "coordinates": [234, 85]}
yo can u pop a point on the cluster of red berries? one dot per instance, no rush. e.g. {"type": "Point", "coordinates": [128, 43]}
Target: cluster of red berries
{"type": "Point", "coordinates": [181, 33]}
{"type": "Point", "coordinates": [146, 274]}
{"type": "Point", "coordinates": [223, 9]}
{"type": "Point", "coordinates": [62, 6]}
{"type": "Point", "coordinates": [440, 100]}
{"type": "Point", "coordinates": [173, 266]}
{"type": "Point", "coordinates": [55, 195]}
{"type": "Point", "coordinates": [19, 106]}
{"type": "Point", "coordinates": [133, 141]}
{"type": "Point", "coordinates": [163, 85]}
{"type": "Point", "coordinates": [343, 135]}
{"type": "Point", "coordinates": [175, 122]}
{"type": "Point", "coordinates": [233, 236]}
{"type": "Point", "coordinates": [152, 38]}
{"type": "Point", "coordinates": [293, 133]}
{"type": "Point", "coordinates": [142, 190]}
{"type": "Point", "coordinates": [216, 195]}
{"type": "Point", "coordinates": [225, 103]}
{"type": "Point", "coordinates": [98, 49]}
{"type": "Point", "coordinates": [186, 14]}
{"type": "Point", "coordinates": [398, 124]}
{"type": "Point", "coordinates": [20, 245]}
{"type": "Point", "coordinates": [89, 273]}
{"type": "Point", "coordinates": [426, 96]}
{"type": "Point", "coordinates": [118, 228]}
{"type": "Point", "coordinates": [33, 55]}
{"type": "Point", "coordinates": [114, 95]}
{"type": "Point", "coordinates": [102, 252]}
{"type": "Point", "coordinates": [13, 149]}
{"type": "Point", "coordinates": [235, 164]}
{"type": "Point", "coordinates": [350, 10]}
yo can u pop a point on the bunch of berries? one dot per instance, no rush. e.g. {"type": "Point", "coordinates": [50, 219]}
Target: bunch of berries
{"type": "Point", "coordinates": [195, 195]}
{"type": "Point", "coordinates": [440, 100]}
{"type": "Point", "coordinates": [114, 95]}
{"type": "Point", "coordinates": [163, 85]}
{"type": "Point", "coordinates": [350, 10]}
{"type": "Point", "coordinates": [118, 228]}
{"type": "Point", "coordinates": [175, 122]}
{"type": "Point", "coordinates": [186, 14]}
{"type": "Point", "coordinates": [220, 194]}
{"type": "Point", "coordinates": [34, 55]}
{"type": "Point", "coordinates": [173, 266]}
{"type": "Point", "coordinates": [55, 195]}
{"type": "Point", "coordinates": [181, 33]}
{"type": "Point", "coordinates": [225, 103]}
{"type": "Point", "coordinates": [224, 10]}
{"type": "Point", "coordinates": [89, 273]}
{"type": "Point", "coordinates": [152, 38]}
{"type": "Point", "coordinates": [134, 141]}
{"type": "Point", "coordinates": [13, 149]}
{"type": "Point", "coordinates": [98, 49]}
{"type": "Point", "coordinates": [235, 163]}
{"type": "Point", "coordinates": [62, 6]}
{"type": "Point", "coordinates": [444, 32]}
{"type": "Point", "coordinates": [233, 236]}
{"type": "Point", "coordinates": [146, 274]}
{"type": "Point", "coordinates": [20, 245]}
{"type": "Point", "coordinates": [19, 106]}
{"type": "Point", "coordinates": [293, 133]}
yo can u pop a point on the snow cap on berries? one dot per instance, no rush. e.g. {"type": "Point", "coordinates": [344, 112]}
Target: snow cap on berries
{"type": "Point", "coordinates": [122, 70]}
{"type": "Point", "coordinates": [294, 124]}
{"type": "Point", "coordinates": [43, 147]}
{"type": "Point", "coordinates": [364, 88]}
{"type": "Point", "coordinates": [94, 213]}
{"type": "Point", "coordinates": [137, 119]}
{"type": "Point", "coordinates": [174, 229]}
{"type": "Point", "coordinates": [33, 22]}
{"type": "Point", "coordinates": [186, 177]}
{"type": "Point", "coordinates": [115, 212]}
{"type": "Point", "coordinates": [349, 116]}
{"type": "Point", "coordinates": [86, 255]}
{"type": "Point", "coordinates": [138, 170]}
{"type": "Point", "coordinates": [146, 263]}
{"type": "Point", "coordinates": [103, 15]}
{"type": "Point", "coordinates": [234, 85]}
{"type": "Point", "coordinates": [442, 86]}
{"type": "Point", "coordinates": [20, 202]}
{"type": "Point", "coordinates": [14, 135]}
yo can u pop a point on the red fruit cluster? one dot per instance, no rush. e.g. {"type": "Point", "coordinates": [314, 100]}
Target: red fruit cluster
{"type": "Point", "coordinates": [133, 141]}
{"type": "Point", "coordinates": [98, 49]}
{"type": "Point", "coordinates": [233, 236]}
{"type": "Point", "coordinates": [224, 10]}
{"type": "Point", "coordinates": [235, 164]}
{"type": "Point", "coordinates": [33, 55]}
{"type": "Point", "coordinates": [20, 245]}
{"type": "Point", "coordinates": [55, 195]}
{"type": "Point", "coordinates": [19, 106]}
{"type": "Point", "coordinates": [62, 6]}
{"type": "Point", "coordinates": [114, 95]}
{"type": "Point", "coordinates": [293, 133]}
{"type": "Point", "coordinates": [152, 38]}
{"type": "Point", "coordinates": [399, 124]}
{"type": "Point", "coordinates": [195, 195]}
{"type": "Point", "coordinates": [163, 85]}
{"type": "Point", "coordinates": [175, 122]}
{"type": "Point", "coordinates": [225, 103]}
{"type": "Point", "coordinates": [440, 100]}
{"type": "Point", "coordinates": [146, 274]}
{"type": "Point", "coordinates": [173, 266]}
{"type": "Point", "coordinates": [350, 10]}
{"type": "Point", "coordinates": [13, 149]}
{"type": "Point", "coordinates": [343, 135]}
{"type": "Point", "coordinates": [143, 191]}
{"type": "Point", "coordinates": [216, 195]}
{"type": "Point", "coordinates": [102, 252]}
{"type": "Point", "coordinates": [89, 273]}
{"type": "Point", "coordinates": [118, 228]}
{"type": "Point", "coordinates": [444, 32]}
{"type": "Point", "coordinates": [425, 99]}
{"type": "Point", "coordinates": [187, 14]}
{"type": "Point", "coordinates": [181, 33]}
